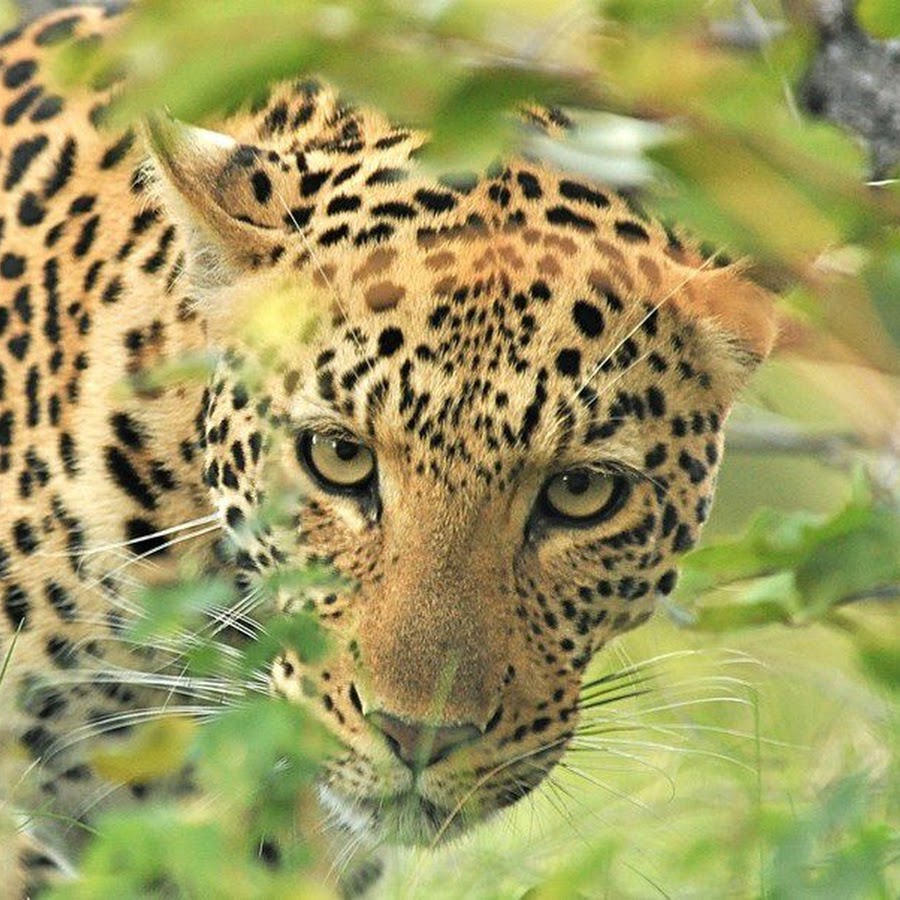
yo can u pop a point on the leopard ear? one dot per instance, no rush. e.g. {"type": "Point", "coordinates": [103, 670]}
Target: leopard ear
{"type": "Point", "coordinates": [736, 312]}
{"type": "Point", "coordinates": [213, 187]}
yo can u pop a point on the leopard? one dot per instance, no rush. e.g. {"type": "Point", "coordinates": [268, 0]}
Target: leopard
{"type": "Point", "coordinates": [492, 403]}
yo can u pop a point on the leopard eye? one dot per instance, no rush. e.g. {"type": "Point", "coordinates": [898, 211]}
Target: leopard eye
{"type": "Point", "coordinates": [584, 496]}
{"type": "Point", "coordinates": [337, 463]}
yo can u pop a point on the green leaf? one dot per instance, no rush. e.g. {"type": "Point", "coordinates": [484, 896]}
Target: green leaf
{"type": "Point", "coordinates": [881, 18]}
{"type": "Point", "coordinates": [797, 566]}
{"type": "Point", "coordinates": [265, 775]}
{"type": "Point", "coordinates": [158, 748]}
{"type": "Point", "coordinates": [473, 121]}
{"type": "Point", "coordinates": [882, 276]}
{"type": "Point", "coordinates": [767, 601]}
{"type": "Point", "coordinates": [169, 608]}
{"type": "Point", "coordinates": [881, 660]}
{"type": "Point", "coordinates": [860, 550]}
{"type": "Point", "coordinates": [7, 15]}
{"type": "Point", "coordinates": [300, 633]}
{"type": "Point", "coordinates": [657, 15]}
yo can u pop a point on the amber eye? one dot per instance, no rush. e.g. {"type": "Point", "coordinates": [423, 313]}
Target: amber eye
{"type": "Point", "coordinates": [337, 463]}
{"type": "Point", "coordinates": [583, 495]}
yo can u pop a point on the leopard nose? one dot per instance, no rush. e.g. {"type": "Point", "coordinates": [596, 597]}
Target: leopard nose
{"type": "Point", "coordinates": [419, 744]}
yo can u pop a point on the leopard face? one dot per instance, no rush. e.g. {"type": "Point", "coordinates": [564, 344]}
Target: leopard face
{"type": "Point", "coordinates": [493, 404]}
{"type": "Point", "coordinates": [503, 434]}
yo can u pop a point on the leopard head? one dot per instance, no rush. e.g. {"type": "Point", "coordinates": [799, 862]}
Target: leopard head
{"type": "Point", "coordinates": [496, 407]}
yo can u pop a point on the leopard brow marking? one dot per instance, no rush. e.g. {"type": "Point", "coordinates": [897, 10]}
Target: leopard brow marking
{"type": "Point", "coordinates": [321, 270]}
{"type": "Point", "coordinates": [599, 366]}
{"type": "Point", "coordinates": [687, 280]}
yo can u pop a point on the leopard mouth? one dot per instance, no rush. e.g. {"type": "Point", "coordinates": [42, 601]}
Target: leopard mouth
{"type": "Point", "coordinates": [409, 817]}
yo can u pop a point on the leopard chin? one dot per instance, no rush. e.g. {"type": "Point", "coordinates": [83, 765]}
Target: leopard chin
{"type": "Point", "coordinates": [418, 809]}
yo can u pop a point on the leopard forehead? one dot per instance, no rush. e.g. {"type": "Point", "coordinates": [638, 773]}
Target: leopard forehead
{"type": "Point", "coordinates": [489, 373]}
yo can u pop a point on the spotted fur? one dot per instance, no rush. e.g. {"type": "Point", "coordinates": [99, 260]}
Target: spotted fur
{"type": "Point", "coordinates": [478, 334]}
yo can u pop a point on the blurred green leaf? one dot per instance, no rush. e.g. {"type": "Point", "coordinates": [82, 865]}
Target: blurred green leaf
{"type": "Point", "coordinates": [769, 600]}
{"type": "Point", "coordinates": [157, 749]}
{"type": "Point", "coordinates": [473, 122]}
{"type": "Point", "coordinates": [298, 632]}
{"type": "Point", "coordinates": [858, 550]}
{"type": "Point", "coordinates": [268, 775]}
{"type": "Point", "coordinates": [398, 57]}
{"type": "Point", "coordinates": [7, 15]}
{"type": "Point", "coordinates": [170, 608]}
{"type": "Point", "coordinates": [660, 16]}
{"type": "Point", "coordinates": [832, 851]}
{"type": "Point", "coordinates": [881, 659]}
{"type": "Point", "coordinates": [149, 852]}
{"type": "Point", "coordinates": [579, 878]}
{"type": "Point", "coordinates": [881, 18]}
{"type": "Point", "coordinates": [803, 565]}
{"type": "Point", "coordinates": [883, 279]}
{"type": "Point", "coordinates": [773, 203]}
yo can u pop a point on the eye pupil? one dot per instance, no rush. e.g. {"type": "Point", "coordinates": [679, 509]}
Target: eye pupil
{"type": "Point", "coordinates": [577, 482]}
{"type": "Point", "coordinates": [345, 450]}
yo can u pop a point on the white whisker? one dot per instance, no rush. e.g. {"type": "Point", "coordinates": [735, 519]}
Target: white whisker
{"type": "Point", "coordinates": [604, 743]}
{"type": "Point", "coordinates": [102, 548]}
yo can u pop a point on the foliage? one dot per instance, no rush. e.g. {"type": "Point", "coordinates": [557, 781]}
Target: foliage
{"type": "Point", "coordinates": [802, 568]}
{"type": "Point", "coordinates": [788, 783]}
{"type": "Point", "coordinates": [255, 760]}
{"type": "Point", "coordinates": [257, 792]}
{"type": "Point", "coordinates": [880, 17]}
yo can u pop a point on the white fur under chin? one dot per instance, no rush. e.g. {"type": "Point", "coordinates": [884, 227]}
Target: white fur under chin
{"type": "Point", "coordinates": [345, 814]}
{"type": "Point", "coordinates": [399, 823]}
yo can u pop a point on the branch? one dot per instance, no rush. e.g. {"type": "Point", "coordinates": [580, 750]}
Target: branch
{"type": "Point", "coordinates": [833, 448]}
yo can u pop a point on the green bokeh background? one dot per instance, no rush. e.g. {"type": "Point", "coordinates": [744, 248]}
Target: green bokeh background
{"type": "Point", "coordinates": [764, 762]}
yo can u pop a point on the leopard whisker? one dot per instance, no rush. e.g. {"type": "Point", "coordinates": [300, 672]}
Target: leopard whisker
{"type": "Point", "coordinates": [535, 751]}
{"type": "Point", "coordinates": [175, 646]}
{"type": "Point", "coordinates": [672, 729]}
{"type": "Point", "coordinates": [733, 657]}
{"type": "Point", "coordinates": [116, 721]}
{"type": "Point", "coordinates": [307, 245]}
{"type": "Point", "coordinates": [697, 701]}
{"type": "Point", "coordinates": [694, 273]}
{"type": "Point", "coordinates": [620, 795]}
{"type": "Point", "coordinates": [605, 743]}
{"type": "Point", "coordinates": [638, 717]}
{"type": "Point", "coordinates": [596, 698]}
{"type": "Point", "coordinates": [117, 545]}
{"type": "Point", "coordinates": [597, 701]}
{"type": "Point", "coordinates": [97, 582]}
{"type": "Point", "coordinates": [141, 557]}
{"type": "Point", "coordinates": [201, 688]}
{"type": "Point", "coordinates": [237, 616]}
{"type": "Point", "coordinates": [613, 692]}
{"type": "Point", "coordinates": [614, 381]}
{"type": "Point", "coordinates": [345, 856]}
{"type": "Point", "coordinates": [639, 667]}
{"type": "Point", "coordinates": [563, 797]}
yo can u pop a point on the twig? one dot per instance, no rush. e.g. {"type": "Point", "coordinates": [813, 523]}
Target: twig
{"type": "Point", "coordinates": [887, 592]}
{"type": "Point", "coordinates": [833, 448]}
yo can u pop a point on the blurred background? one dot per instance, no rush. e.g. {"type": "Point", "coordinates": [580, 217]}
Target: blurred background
{"type": "Point", "coordinates": [763, 762]}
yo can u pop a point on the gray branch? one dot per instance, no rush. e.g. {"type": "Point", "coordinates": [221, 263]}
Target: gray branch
{"type": "Point", "coordinates": [834, 448]}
